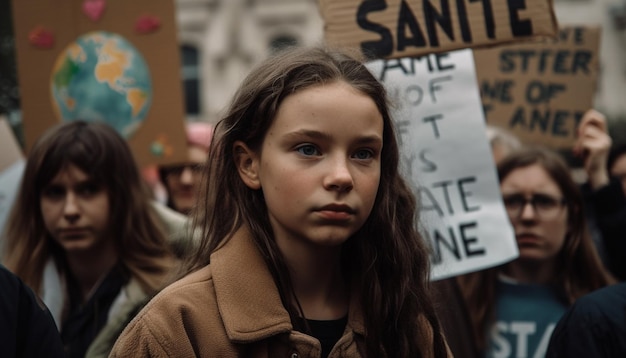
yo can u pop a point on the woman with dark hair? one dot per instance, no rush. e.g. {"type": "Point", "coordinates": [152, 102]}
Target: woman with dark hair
{"type": "Point", "coordinates": [514, 307]}
{"type": "Point", "coordinates": [309, 244]}
{"type": "Point", "coordinates": [83, 234]}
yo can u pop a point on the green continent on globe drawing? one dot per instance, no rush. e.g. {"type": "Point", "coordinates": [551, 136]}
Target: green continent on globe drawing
{"type": "Point", "coordinates": [102, 77]}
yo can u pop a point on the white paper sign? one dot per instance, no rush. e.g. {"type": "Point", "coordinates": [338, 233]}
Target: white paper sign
{"type": "Point", "coordinates": [446, 155]}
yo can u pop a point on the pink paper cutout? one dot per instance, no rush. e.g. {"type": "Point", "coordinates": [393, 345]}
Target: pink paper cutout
{"type": "Point", "coordinates": [94, 9]}
{"type": "Point", "coordinates": [147, 24]}
{"type": "Point", "coordinates": [41, 38]}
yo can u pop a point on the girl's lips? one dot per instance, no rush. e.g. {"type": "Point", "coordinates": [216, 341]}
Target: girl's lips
{"type": "Point", "coordinates": [527, 238]}
{"type": "Point", "coordinates": [335, 215]}
{"type": "Point", "coordinates": [526, 234]}
{"type": "Point", "coordinates": [336, 212]}
{"type": "Point", "coordinates": [337, 207]}
{"type": "Point", "coordinates": [73, 232]}
{"type": "Point", "coordinates": [186, 193]}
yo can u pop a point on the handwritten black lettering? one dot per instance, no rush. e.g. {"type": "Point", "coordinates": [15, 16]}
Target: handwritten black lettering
{"type": "Point", "coordinates": [382, 47]}
{"type": "Point", "coordinates": [558, 123]}
{"type": "Point", "coordinates": [450, 243]}
{"type": "Point", "coordinates": [406, 18]}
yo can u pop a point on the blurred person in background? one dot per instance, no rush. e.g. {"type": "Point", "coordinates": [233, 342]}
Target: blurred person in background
{"type": "Point", "coordinates": [84, 235]}
{"type": "Point", "coordinates": [514, 307]}
{"type": "Point", "coordinates": [182, 180]}
{"type": "Point", "coordinates": [605, 168]}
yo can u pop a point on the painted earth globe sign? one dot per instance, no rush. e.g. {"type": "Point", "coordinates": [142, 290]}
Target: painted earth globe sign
{"type": "Point", "coordinates": [102, 77]}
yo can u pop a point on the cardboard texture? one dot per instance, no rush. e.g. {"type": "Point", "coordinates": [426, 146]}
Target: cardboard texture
{"type": "Point", "coordinates": [539, 91]}
{"type": "Point", "coordinates": [407, 28]}
{"type": "Point", "coordinates": [10, 151]}
{"type": "Point", "coordinates": [44, 31]}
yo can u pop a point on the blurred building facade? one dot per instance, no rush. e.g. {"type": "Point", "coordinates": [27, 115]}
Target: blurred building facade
{"type": "Point", "coordinates": [221, 40]}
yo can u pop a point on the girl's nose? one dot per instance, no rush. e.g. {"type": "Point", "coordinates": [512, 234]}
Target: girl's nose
{"type": "Point", "coordinates": [70, 209]}
{"type": "Point", "coordinates": [339, 177]}
{"type": "Point", "coordinates": [186, 177]}
{"type": "Point", "coordinates": [528, 211]}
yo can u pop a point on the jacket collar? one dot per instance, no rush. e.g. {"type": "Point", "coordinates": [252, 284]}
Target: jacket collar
{"type": "Point", "coordinates": [247, 296]}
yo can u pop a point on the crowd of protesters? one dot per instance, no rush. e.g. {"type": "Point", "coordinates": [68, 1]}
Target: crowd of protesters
{"type": "Point", "coordinates": [289, 231]}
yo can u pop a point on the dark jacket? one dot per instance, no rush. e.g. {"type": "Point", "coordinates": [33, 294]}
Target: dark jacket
{"type": "Point", "coordinates": [606, 209]}
{"type": "Point", "coordinates": [26, 326]}
{"type": "Point", "coordinates": [594, 327]}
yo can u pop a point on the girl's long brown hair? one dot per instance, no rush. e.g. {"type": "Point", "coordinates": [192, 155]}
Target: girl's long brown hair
{"type": "Point", "coordinates": [580, 268]}
{"type": "Point", "coordinates": [105, 157]}
{"type": "Point", "coordinates": [387, 256]}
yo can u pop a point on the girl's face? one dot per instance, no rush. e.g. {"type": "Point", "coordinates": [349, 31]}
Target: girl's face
{"type": "Point", "coordinates": [319, 166]}
{"type": "Point", "coordinates": [75, 211]}
{"type": "Point", "coordinates": [537, 211]}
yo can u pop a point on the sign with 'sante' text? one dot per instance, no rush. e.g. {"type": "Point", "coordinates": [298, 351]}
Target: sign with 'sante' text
{"type": "Point", "coordinates": [447, 159]}
{"type": "Point", "coordinates": [404, 28]}
{"type": "Point", "coordinates": [540, 90]}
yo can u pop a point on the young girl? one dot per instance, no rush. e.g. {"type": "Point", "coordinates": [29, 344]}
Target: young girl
{"type": "Point", "coordinates": [84, 236]}
{"type": "Point", "coordinates": [514, 307]}
{"type": "Point", "coordinates": [310, 247]}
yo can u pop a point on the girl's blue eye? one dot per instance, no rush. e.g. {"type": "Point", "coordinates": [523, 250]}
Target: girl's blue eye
{"type": "Point", "coordinates": [364, 154]}
{"type": "Point", "coordinates": [308, 150]}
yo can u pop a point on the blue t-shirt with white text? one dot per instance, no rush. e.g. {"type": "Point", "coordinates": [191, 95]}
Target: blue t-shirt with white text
{"type": "Point", "coordinates": [525, 318]}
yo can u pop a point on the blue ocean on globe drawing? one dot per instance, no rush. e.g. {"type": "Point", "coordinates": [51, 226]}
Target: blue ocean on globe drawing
{"type": "Point", "coordinates": [102, 77]}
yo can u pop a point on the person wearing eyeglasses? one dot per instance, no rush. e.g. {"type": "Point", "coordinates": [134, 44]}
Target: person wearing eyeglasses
{"type": "Point", "coordinates": [514, 307]}
{"type": "Point", "coordinates": [182, 180]}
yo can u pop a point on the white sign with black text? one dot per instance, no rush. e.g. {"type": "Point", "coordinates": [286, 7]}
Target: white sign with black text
{"type": "Point", "coordinates": [446, 156]}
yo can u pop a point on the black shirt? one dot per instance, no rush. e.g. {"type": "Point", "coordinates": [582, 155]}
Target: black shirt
{"type": "Point", "coordinates": [84, 321]}
{"type": "Point", "coordinates": [327, 332]}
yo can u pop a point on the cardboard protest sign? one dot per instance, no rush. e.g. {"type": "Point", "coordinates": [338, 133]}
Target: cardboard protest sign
{"type": "Point", "coordinates": [101, 60]}
{"type": "Point", "coordinates": [11, 168]}
{"type": "Point", "coordinates": [447, 158]}
{"type": "Point", "coordinates": [540, 90]}
{"type": "Point", "coordinates": [405, 28]}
